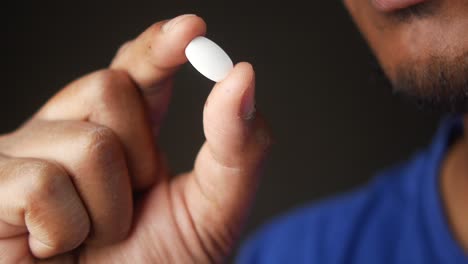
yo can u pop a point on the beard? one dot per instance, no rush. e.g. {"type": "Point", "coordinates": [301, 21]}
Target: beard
{"type": "Point", "coordinates": [438, 84]}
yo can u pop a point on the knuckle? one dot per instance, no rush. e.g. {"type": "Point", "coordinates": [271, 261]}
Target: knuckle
{"type": "Point", "coordinates": [64, 241]}
{"type": "Point", "coordinates": [48, 184]}
{"type": "Point", "coordinates": [102, 151]}
{"type": "Point", "coordinates": [73, 237]}
{"type": "Point", "coordinates": [46, 178]}
{"type": "Point", "coordinates": [108, 79]}
{"type": "Point", "coordinates": [154, 29]}
{"type": "Point", "coordinates": [99, 141]}
{"type": "Point", "coordinates": [123, 47]}
{"type": "Point", "coordinates": [110, 85]}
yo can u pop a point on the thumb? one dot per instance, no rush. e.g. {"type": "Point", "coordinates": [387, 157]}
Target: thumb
{"type": "Point", "coordinates": [223, 182]}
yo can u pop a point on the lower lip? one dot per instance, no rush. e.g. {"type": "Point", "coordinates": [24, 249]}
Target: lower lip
{"type": "Point", "coordinates": [393, 5]}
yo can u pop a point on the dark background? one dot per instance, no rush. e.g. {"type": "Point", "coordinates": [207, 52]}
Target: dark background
{"type": "Point", "coordinates": [335, 123]}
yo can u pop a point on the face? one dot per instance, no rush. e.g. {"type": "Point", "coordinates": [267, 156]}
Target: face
{"type": "Point", "coordinates": [421, 45]}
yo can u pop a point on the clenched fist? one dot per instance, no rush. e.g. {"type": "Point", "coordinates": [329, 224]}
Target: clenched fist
{"type": "Point", "coordinates": [84, 181]}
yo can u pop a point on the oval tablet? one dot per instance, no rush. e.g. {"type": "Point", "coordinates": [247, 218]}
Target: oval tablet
{"type": "Point", "coordinates": [208, 58]}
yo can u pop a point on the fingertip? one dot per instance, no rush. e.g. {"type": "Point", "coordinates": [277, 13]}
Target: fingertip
{"type": "Point", "coordinates": [246, 69]}
{"type": "Point", "coordinates": [65, 240]}
{"type": "Point", "coordinates": [173, 37]}
{"type": "Point", "coordinates": [191, 24]}
{"type": "Point", "coordinates": [183, 29]}
{"type": "Point", "coordinates": [40, 249]}
{"type": "Point", "coordinates": [230, 92]}
{"type": "Point", "coordinates": [242, 75]}
{"type": "Point", "coordinates": [156, 54]}
{"type": "Point", "coordinates": [246, 66]}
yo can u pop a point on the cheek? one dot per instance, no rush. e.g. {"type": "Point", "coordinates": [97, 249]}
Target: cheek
{"type": "Point", "coordinates": [440, 38]}
{"type": "Point", "coordinates": [380, 33]}
{"type": "Point", "coordinates": [395, 44]}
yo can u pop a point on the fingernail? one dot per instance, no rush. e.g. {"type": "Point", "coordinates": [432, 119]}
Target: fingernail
{"type": "Point", "coordinates": [248, 102]}
{"type": "Point", "coordinates": [171, 23]}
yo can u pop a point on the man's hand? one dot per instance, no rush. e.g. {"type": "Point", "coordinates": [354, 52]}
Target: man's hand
{"type": "Point", "coordinates": [84, 181]}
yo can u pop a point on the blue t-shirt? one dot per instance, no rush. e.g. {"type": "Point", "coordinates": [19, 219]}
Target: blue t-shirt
{"type": "Point", "coordinates": [397, 218]}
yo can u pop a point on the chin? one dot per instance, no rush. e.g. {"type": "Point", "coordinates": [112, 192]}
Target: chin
{"type": "Point", "coordinates": [437, 83]}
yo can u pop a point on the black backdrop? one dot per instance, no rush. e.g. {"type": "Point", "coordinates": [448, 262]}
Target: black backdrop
{"type": "Point", "coordinates": [335, 124]}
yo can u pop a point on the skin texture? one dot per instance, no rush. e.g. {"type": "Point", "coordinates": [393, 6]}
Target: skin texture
{"type": "Point", "coordinates": [398, 38]}
{"type": "Point", "coordinates": [408, 40]}
{"type": "Point", "coordinates": [423, 49]}
{"type": "Point", "coordinates": [83, 181]}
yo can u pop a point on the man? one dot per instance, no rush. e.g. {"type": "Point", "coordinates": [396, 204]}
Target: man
{"type": "Point", "coordinates": [81, 181]}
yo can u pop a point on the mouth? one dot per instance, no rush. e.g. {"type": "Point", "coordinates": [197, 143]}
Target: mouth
{"type": "Point", "coordinates": [394, 5]}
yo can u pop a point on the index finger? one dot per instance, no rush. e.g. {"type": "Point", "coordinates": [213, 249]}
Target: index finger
{"type": "Point", "coordinates": [153, 57]}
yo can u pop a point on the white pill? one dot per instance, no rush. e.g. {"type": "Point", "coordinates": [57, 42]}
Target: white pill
{"type": "Point", "coordinates": [208, 58]}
